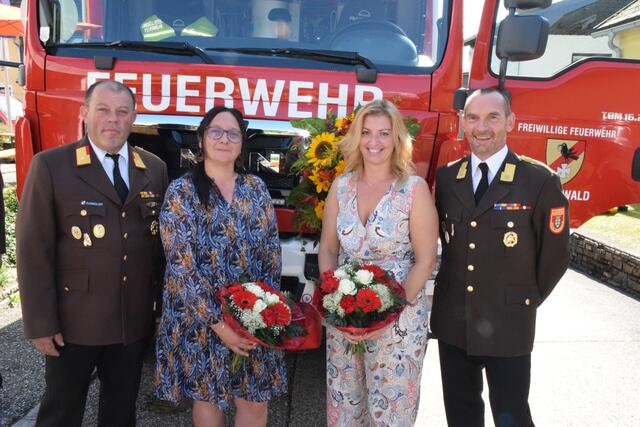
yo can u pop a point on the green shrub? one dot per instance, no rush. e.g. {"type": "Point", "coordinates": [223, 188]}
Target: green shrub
{"type": "Point", "coordinates": [10, 213]}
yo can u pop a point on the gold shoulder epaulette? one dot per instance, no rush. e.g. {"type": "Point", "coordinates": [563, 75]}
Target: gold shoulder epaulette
{"type": "Point", "coordinates": [137, 160]}
{"type": "Point", "coordinates": [536, 162]}
{"type": "Point", "coordinates": [462, 172]}
{"type": "Point", "coordinates": [83, 156]}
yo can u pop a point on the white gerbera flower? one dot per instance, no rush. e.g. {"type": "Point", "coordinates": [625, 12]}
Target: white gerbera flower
{"type": "Point", "coordinates": [258, 306]}
{"type": "Point", "coordinates": [347, 287]}
{"type": "Point", "coordinates": [341, 273]}
{"type": "Point", "coordinates": [364, 276]}
{"type": "Point", "coordinates": [254, 289]}
{"type": "Point", "coordinates": [271, 298]}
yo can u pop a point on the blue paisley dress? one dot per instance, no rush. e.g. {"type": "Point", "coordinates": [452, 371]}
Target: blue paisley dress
{"type": "Point", "coordinates": [383, 387]}
{"type": "Point", "coordinates": [207, 248]}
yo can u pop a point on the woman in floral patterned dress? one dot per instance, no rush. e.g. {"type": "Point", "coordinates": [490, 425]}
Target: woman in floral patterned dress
{"type": "Point", "coordinates": [379, 213]}
{"type": "Point", "coordinates": [217, 225]}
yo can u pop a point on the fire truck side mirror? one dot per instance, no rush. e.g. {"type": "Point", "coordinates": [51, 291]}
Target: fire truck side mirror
{"type": "Point", "coordinates": [459, 98]}
{"type": "Point", "coordinates": [527, 4]}
{"type": "Point", "coordinates": [522, 38]}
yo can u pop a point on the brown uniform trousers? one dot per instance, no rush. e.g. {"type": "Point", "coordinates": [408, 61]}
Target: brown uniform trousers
{"type": "Point", "coordinates": [500, 260]}
{"type": "Point", "coordinates": [89, 267]}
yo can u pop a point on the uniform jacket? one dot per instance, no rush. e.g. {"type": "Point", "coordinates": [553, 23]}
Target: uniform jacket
{"type": "Point", "coordinates": [88, 266]}
{"type": "Point", "coordinates": [500, 259]}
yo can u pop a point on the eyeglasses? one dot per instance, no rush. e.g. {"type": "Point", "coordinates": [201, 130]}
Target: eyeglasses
{"type": "Point", "coordinates": [233, 135]}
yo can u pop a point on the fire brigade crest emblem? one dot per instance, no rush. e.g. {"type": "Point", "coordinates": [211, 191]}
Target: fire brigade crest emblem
{"type": "Point", "coordinates": [565, 157]}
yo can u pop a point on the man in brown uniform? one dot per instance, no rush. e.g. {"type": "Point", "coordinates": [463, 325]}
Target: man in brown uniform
{"type": "Point", "coordinates": [504, 232]}
{"type": "Point", "coordinates": [88, 256]}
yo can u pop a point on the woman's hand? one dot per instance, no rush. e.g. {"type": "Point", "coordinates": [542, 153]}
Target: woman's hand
{"type": "Point", "coordinates": [233, 340]}
{"type": "Point", "coordinates": [370, 336]}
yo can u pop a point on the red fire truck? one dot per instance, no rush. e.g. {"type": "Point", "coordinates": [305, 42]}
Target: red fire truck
{"type": "Point", "coordinates": [576, 97]}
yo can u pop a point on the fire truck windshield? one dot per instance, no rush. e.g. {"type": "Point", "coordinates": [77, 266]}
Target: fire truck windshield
{"type": "Point", "coordinates": [402, 36]}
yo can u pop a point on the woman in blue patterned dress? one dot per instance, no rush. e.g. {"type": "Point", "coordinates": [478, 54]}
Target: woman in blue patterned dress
{"type": "Point", "coordinates": [379, 213]}
{"type": "Point", "coordinates": [217, 225]}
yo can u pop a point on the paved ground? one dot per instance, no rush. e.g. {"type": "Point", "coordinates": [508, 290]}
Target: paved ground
{"type": "Point", "coordinates": [586, 369]}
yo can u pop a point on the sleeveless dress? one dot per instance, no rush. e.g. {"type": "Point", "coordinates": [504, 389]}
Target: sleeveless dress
{"type": "Point", "coordinates": [383, 387]}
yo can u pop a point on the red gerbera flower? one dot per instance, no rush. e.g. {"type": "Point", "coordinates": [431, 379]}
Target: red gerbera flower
{"type": "Point", "coordinates": [244, 299]}
{"type": "Point", "coordinates": [378, 273]}
{"type": "Point", "coordinates": [235, 287]}
{"type": "Point", "coordinates": [348, 303]}
{"type": "Point", "coordinates": [368, 300]}
{"type": "Point", "coordinates": [283, 315]}
{"type": "Point", "coordinates": [269, 316]}
{"type": "Point", "coordinates": [329, 283]}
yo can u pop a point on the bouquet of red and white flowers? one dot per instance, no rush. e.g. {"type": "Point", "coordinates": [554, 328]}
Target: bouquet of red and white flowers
{"type": "Point", "coordinates": [267, 317]}
{"type": "Point", "coordinates": [359, 299]}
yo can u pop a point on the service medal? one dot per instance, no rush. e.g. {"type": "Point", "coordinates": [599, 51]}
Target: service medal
{"type": "Point", "coordinates": [98, 231]}
{"type": "Point", "coordinates": [76, 232]}
{"type": "Point", "coordinates": [510, 239]}
{"type": "Point", "coordinates": [154, 227]}
{"type": "Point", "coordinates": [87, 240]}
{"type": "Point", "coordinates": [446, 237]}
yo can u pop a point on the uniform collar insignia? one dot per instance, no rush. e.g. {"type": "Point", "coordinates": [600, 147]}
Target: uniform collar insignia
{"type": "Point", "coordinates": [508, 173]}
{"type": "Point", "coordinates": [83, 156]}
{"type": "Point", "coordinates": [462, 172]}
{"type": "Point", "coordinates": [137, 160]}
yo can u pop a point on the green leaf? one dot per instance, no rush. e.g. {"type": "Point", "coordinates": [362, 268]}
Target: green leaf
{"type": "Point", "coordinates": [413, 127]}
{"type": "Point", "coordinates": [313, 125]}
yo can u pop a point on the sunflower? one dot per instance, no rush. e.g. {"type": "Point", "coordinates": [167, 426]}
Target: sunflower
{"type": "Point", "coordinates": [344, 123]}
{"type": "Point", "coordinates": [322, 180]}
{"type": "Point", "coordinates": [339, 168]}
{"type": "Point", "coordinates": [319, 209]}
{"type": "Point", "coordinates": [322, 150]}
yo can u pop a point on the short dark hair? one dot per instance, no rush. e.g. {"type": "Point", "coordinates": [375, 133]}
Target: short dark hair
{"type": "Point", "coordinates": [506, 96]}
{"type": "Point", "coordinates": [111, 85]}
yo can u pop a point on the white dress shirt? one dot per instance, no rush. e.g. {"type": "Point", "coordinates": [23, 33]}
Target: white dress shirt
{"type": "Point", "coordinates": [107, 162]}
{"type": "Point", "coordinates": [494, 162]}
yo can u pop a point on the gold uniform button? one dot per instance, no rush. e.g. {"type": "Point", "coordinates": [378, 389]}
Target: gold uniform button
{"type": "Point", "coordinates": [66, 289]}
{"type": "Point", "coordinates": [473, 224]}
{"type": "Point", "coordinates": [83, 212]}
{"type": "Point", "coordinates": [510, 224]}
{"type": "Point", "coordinates": [153, 212]}
{"type": "Point", "coordinates": [527, 301]}
{"type": "Point", "coordinates": [472, 246]}
{"type": "Point", "coordinates": [124, 258]}
{"type": "Point", "coordinates": [124, 278]}
{"type": "Point", "coordinates": [125, 235]}
{"type": "Point", "coordinates": [469, 288]}
{"type": "Point", "coordinates": [123, 214]}
{"type": "Point", "coordinates": [470, 267]}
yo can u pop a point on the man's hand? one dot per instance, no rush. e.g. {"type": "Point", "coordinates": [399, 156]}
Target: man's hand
{"type": "Point", "coordinates": [45, 344]}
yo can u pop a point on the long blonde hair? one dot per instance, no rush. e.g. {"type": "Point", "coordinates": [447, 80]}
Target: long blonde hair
{"type": "Point", "coordinates": [401, 164]}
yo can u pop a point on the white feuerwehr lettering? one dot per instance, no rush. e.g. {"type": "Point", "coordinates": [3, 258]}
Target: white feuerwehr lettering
{"type": "Point", "coordinates": [253, 94]}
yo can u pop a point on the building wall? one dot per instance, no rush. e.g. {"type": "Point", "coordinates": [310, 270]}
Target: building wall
{"type": "Point", "coordinates": [629, 42]}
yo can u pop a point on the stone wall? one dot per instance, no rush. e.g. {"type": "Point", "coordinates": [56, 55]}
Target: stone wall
{"type": "Point", "coordinates": [610, 265]}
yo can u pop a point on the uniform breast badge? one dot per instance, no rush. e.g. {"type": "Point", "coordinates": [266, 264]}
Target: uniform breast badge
{"type": "Point", "coordinates": [510, 239]}
{"type": "Point", "coordinates": [76, 232]}
{"type": "Point", "coordinates": [445, 233]}
{"type": "Point", "coordinates": [86, 241]}
{"type": "Point", "coordinates": [154, 227]}
{"type": "Point", "coordinates": [98, 231]}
